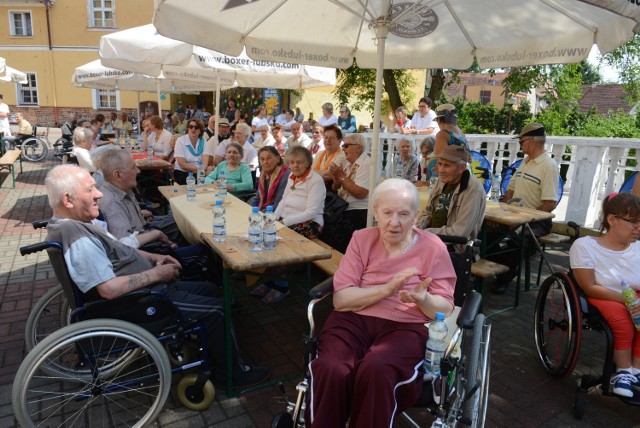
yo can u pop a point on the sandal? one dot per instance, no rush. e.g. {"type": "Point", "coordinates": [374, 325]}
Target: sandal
{"type": "Point", "coordinates": [275, 296]}
{"type": "Point", "coordinates": [261, 290]}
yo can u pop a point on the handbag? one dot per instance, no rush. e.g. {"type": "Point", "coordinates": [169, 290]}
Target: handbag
{"type": "Point", "coordinates": [334, 208]}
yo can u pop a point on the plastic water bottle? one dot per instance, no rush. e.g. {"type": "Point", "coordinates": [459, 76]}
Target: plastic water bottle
{"type": "Point", "coordinates": [127, 144]}
{"type": "Point", "coordinates": [255, 230]}
{"type": "Point", "coordinates": [219, 222]}
{"type": "Point", "coordinates": [191, 187]}
{"type": "Point", "coordinates": [269, 229]}
{"type": "Point", "coordinates": [200, 174]}
{"type": "Point", "coordinates": [494, 193]}
{"type": "Point", "coordinates": [150, 153]}
{"type": "Point", "coordinates": [222, 185]}
{"type": "Point", "coordinates": [436, 345]}
{"type": "Point", "coordinates": [630, 299]}
{"type": "Point", "coordinates": [398, 170]}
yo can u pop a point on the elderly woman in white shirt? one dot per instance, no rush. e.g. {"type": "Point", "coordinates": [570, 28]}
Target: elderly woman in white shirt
{"type": "Point", "coordinates": [188, 151]}
{"type": "Point", "coordinates": [82, 143]}
{"type": "Point", "coordinates": [300, 209]}
{"type": "Point", "coordinates": [158, 137]}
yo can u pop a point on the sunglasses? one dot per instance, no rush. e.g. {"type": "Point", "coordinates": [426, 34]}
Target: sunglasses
{"type": "Point", "coordinates": [316, 132]}
{"type": "Point", "coordinates": [422, 105]}
{"type": "Point", "coordinates": [193, 127]}
{"type": "Point", "coordinates": [343, 111]}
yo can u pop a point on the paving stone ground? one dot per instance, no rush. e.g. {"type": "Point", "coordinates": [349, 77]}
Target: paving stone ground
{"type": "Point", "coordinates": [521, 393]}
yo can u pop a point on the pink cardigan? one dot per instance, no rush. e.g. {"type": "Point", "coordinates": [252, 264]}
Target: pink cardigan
{"type": "Point", "coordinates": [366, 264]}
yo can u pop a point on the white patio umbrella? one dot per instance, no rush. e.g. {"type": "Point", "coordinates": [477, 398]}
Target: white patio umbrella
{"type": "Point", "coordinates": [3, 64]}
{"type": "Point", "coordinates": [398, 34]}
{"type": "Point", "coordinates": [13, 75]}
{"type": "Point", "coordinates": [143, 50]}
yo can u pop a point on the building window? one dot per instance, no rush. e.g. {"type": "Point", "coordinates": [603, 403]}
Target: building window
{"type": "Point", "coordinates": [21, 24]}
{"type": "Point", "coordinates": [485, 97]}
{"type": "Point", "coordinates": [106, 99]}
{"type": "Point", "coordinates": [28, 92]}
{"type": "Point", "coordinates": [102, 13]}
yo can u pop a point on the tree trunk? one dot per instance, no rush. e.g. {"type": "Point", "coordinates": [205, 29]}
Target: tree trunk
{"type": "Point", "coordinates": [437, 84]}
{"type": "Point", "coordinates": [391, 87]}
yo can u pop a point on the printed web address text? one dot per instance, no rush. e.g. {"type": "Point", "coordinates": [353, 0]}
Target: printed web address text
{"type": "Point", "coordinates": [525, 55]}
{"type": "Point", "coordinates": [246, 61]}
{"type": "Point", "coordinates": [300, 56]}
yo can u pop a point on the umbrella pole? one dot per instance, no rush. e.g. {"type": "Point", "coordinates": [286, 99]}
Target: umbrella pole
{"type": "Point", "coordinates": [138, 108]}
{"type": "Point", "coordinates": [381, 38]}
{"type": "Point", "coordinates": [159, 100]}
{"type": "Point", "coordinates": [217, 106]}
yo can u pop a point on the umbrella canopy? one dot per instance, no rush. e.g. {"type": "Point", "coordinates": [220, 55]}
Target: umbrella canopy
{"type": "Point", "coordinates": [95, 75]}
{"type": "Point", "coordinates": [13, 75]}
{"type": "Point", "coordinates": [419, 34]}
{"type": "Point", "coordinates": [143, 50]}
{"type": "Point", "coordinates": [2, 65]}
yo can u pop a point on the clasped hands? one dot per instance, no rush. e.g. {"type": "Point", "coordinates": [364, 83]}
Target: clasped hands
{"type": "Point", "coordinates": [417, 294]}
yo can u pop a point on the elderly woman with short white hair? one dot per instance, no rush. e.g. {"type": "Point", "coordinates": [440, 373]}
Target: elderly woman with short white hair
{"type": "Point", "coordinates": [82, 143]}
{"type": "Point", "coordinates": [406, 163]}
{"type": "Point", "coordinates": [392, 279]}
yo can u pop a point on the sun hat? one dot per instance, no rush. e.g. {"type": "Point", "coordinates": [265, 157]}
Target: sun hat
{"type": "Point", "coordinates": [455, 153]}
{"type": "Point", "coordinates": [224, 122]}
{"type": "Point", "coordinates": [533, 129]}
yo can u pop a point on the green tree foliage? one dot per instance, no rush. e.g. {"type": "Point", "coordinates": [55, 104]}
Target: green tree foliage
{"type": "Point", "coordinates": [626, 61]}
{"type": "Point", "coordinates": [475, 118]}
{"type": "Point", "coordinates": [356, 87]}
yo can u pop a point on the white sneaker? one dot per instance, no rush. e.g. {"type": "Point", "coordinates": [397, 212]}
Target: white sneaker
{"type": "Point", "coordinates": [622, 382]}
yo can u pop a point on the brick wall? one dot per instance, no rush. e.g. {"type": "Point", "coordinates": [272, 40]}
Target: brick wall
{"type": "Point", "coordinates": [44, 116]}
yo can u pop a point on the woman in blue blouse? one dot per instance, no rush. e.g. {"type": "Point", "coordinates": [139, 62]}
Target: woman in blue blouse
{"type": "Point", "coordinates": [238, 174]}
{"type": "Point", "coordinates": [346, 121]}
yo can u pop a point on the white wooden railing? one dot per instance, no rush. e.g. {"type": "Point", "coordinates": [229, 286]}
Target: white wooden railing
{"type": "Point", "coordinates": [594, 167]}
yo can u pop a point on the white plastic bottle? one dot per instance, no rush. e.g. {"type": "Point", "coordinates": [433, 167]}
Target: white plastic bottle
{"type": "Point", "coordinates": [222, 185]}
{"type": "Point", "coordinates": [191, 187]}
{"type": "Point", "coordinates": [494, 193]}
{"type": "Point", "coordinates": [269, 229]}
{"type": "Point", "coordinates": [255, 230]}
{"type": "Point", "coordinates": [150, 153]}
{"type": "Point", "coordinates": [630, 299]}
{"type": "Point", "coordinates": [127, 144]}
{"type": "Point", "coordinates": [219, 222]}
{"type": "Point", "coordinates": [200, 174]}
{"type": "Point", "coordinates": [436, 345]}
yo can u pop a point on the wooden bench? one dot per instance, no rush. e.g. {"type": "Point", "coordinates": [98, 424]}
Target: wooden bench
{"type": "Point", "coordinates": [7, 163]}
{"type": "Point", "coordinates": [484, 268]}
{"type": "Point", "coordinates": [328, 266]}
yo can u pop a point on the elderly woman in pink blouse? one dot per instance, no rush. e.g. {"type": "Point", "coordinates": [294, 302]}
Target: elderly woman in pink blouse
{"type": "Point", "coordinates": [392, 279]}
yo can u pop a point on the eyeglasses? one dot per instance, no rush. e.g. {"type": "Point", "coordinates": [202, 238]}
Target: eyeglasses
{"type": "Point", "coordinates": [193, 127]}
{"type": "Point", "coordinates": [316, 132]}
{"type": "Point", "coordinates": [522, 140]}
{"type": "Point", "coordinates": [343, 111]}
{"type": "Point", "coordinates": [422, 105]}
{"type": "Point", "coordinates": [344, 146]}
{"type": "Point", "coordinates": [633, 223]}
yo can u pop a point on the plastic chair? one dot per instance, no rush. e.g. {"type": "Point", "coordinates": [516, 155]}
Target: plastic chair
{"type": "Point", "coordinates": [627, 186]}
{"type": "Point", "coordinates": [481, 168]}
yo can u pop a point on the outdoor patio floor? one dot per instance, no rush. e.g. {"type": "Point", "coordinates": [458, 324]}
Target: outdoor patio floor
{"type": "Point", "coordinates": [521, 393]}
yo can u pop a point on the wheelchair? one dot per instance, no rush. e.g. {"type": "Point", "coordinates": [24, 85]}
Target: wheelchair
{"type": "Point", "coordinates": [33, 148]}
{"type": "Point", "coordinates": [113, 362]}
{"type": "Point", "coordinates": [562, 312]}
{"type": "Point", "coordinates": [459, 396]}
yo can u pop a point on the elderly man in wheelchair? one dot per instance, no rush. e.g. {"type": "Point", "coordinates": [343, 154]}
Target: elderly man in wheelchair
{"type": "Point", "coordinates": [392, 279]}
{"type": "Point", "coordinates": [102, 268]}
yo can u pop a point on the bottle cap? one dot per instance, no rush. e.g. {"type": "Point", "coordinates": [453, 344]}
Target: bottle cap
{"type": "Point", "coordinates": [439, 316]}
{"type": "Point", "coordinates": [269, 207]}
{"type": "Point", "coordinates": [218, 202]}
{"type": "Point", "coordinates": [254, 209]}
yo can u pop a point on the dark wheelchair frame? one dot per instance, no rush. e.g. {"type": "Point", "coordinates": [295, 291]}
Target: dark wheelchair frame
{"type": "Point", "coordinates": [562, 312]}
{"type": "Point", "coordinates": [453, 398]}
{"type": "Point", "coordinates": [113, 361]}
{"type": "Point", "coordinates": [32, 147]}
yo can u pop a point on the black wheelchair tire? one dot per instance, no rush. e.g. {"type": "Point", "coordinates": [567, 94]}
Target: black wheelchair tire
{"type": "Point", "coordinates": [34, 149]}
{"type": "Point", "coordinates": [282, 420]}
{"type": "Point", "coordinates": [558, 298]}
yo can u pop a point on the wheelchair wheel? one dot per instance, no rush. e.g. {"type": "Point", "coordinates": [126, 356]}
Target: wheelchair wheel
{"type": "Point", "coordinates": [131, 397]}
{"type": "Point", "coordinates": [477, 372]}
{"type": "Point", "coordinates": [34, 149]}
{"type": "Point", "coordinates": [195, 398]}
{"type": "Point", "coordinates": [282, 420]}
{"type": "Point", "coordinates": [558, 325]}
{"type": "Point", "coordinates": [49, 314]}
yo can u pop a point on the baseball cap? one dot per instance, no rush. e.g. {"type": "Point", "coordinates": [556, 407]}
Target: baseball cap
{"type": "Point", "coordinates": [533, 129]}
{"type": "Point", "coordinates": [455, 153]}
{"type": "Point", "coordinates": [224, 122]}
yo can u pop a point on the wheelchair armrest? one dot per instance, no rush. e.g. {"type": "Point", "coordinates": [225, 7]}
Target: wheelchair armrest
{"type": "Point", "coordinates": [39, 224]}
{"type": "Point", "coordinates": [576, 229]}
{"type": "Point", "coordinates": [323, 289]}
{"type": "Point", "coordinates": [469, 310]}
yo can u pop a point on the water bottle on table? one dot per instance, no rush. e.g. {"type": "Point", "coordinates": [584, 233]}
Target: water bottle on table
{"type": "Point", "coordinates": [255, 230]}
{"type": "Point", "coordinates": [222, 185]}
{"type": "Point", "coordinates": [150, 153]}
{"type": "Point", "coordinates": [630, 299]}
{"type": "Point", "coordinates": [219, 222]}
{"type": "Point", "coordinates": [269, 229]}
{"type": "Point", "coordinates": [200, 174]}
{"type": "Point", "coordinates": [191, 187]}
{"type": "Point", "coordinates": [494, 193]}
{"type": "Point", "coordinates": [436, 345]}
